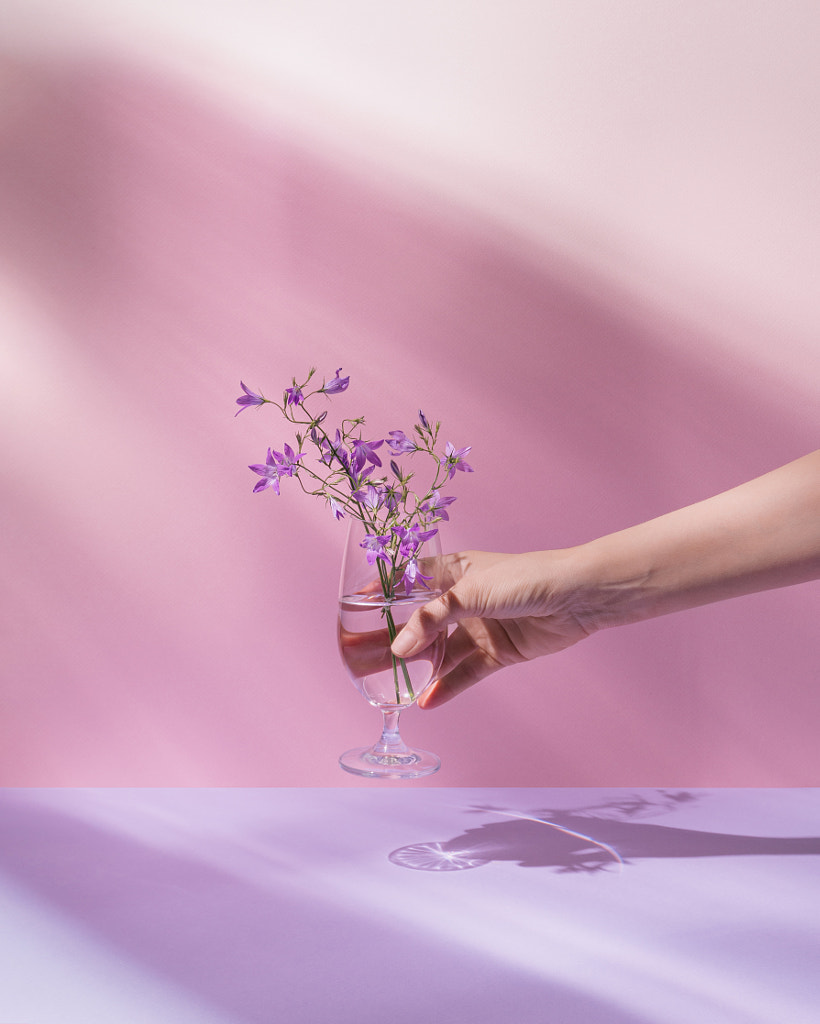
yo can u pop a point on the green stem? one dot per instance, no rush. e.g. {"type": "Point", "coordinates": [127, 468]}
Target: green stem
{"type": "Point", "coordinates": [392, 632]}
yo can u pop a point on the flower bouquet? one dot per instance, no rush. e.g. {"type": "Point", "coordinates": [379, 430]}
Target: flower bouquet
{"type": "Point", "coordinates": [389, 568]}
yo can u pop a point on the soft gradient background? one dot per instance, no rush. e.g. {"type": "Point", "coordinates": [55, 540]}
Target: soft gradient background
{"type": "Point", "coordinates": [583, 235]}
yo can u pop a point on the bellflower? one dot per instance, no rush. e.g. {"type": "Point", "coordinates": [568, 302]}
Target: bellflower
{"type": "Point", "coordinates": [248, 399]}
{"type": "Point", "coordinates": [455, 460]}
{"type": "Point", "coordinates": [400, 443]}
{"type": "Point", "coordinates": [288, 462]}
{"type": "Point", "coordinates": [365, 451]}
{"type": "Point", "coordinates": [436, 506]}
{"type": "Point", "coordinates": [357, 483]}
{"type": "Point", "coordinates": [337, 385]}
{"type": "Point", "coordinates": [294, 395]}
{"type": "Point", "coordinates": [324, 446]}
{"type": "Point", "coordinates": [413, 575]}
{"type": "Point", "coordinates": [375, 548]}
{"type": "Point", "coordinates": [372, 498]}
{"type": "Point", "coordinates": [410, 540]}
{"type": "Point", "coordinates": [269, 473]}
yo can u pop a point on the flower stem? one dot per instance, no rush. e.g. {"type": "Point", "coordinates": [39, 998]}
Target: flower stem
{"type": "Point", "coordinates": [392, 632]}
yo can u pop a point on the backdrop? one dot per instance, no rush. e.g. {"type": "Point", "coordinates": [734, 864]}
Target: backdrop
{"type": "Point", "coordinates": [583, 236]}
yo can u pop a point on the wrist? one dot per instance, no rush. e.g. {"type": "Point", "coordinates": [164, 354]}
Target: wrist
{"type": "Point", "coordinates": [615, 584]}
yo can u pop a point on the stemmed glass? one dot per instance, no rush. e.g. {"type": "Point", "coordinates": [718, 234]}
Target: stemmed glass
{"type": "Point", "coordinates": [373, 608]}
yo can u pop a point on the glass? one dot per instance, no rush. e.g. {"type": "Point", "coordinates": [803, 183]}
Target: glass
{"type": "Point", "coordinates": [373, 608]}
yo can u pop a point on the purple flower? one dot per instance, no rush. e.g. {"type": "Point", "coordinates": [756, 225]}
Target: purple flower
{"type": "Point", "coordinates": [294, 395]}
{"type": "Point", "coordinates": [423, 420]}
{"type": "Point", "coordinates": [285, 464]}
{"type": "Point", "coordinates": [269, 473]}
{"type": "Point", "coordinates": [413, 575]}
{"type": "Point", "coordinates": [455, 460]}
{"type": "Point", "coordinates": [400, 443]}
{"type": "Point", "coordinates": [371, 497]}
{"type": "Point", "coordinates": [437, 506]}
{"type": "Point", "coordinates": [357, 481]}
{"type": "Point", "coordinates": [336, 508]}
{"type": "Point", "coordinates": [374, 546]}
{"type": "Point", "coordinates": [365, 451]}
{"type": "Point", "coordinates": [248, 399]}
{"type": "Point", "coordinates": [337, 385]}
{"type": "Point", "coordinates": [411, 540]}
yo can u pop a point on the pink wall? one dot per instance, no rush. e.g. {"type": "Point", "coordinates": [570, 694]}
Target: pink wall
{"type": "Point", "coordinates": [164, 626]}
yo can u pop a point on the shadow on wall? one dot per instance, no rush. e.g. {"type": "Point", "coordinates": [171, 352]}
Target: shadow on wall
{"type": "Point", "coordinates": [180, 249]}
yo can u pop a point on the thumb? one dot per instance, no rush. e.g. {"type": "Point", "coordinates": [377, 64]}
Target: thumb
{"type": "Point", "coordinates": [424, 625]}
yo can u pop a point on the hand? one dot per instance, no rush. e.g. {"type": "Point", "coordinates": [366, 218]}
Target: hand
{"type": "Point", "coordinates": [366, 654]}
{"type": "Point", "coordinates": [508, 609]}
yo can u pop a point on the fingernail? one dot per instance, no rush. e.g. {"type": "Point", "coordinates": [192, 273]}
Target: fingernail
{"type": "Point", "coordinates": [428, 698]}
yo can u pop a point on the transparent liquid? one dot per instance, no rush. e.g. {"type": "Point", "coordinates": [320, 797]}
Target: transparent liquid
{"type": "Point", "coordinates": [364, 644]}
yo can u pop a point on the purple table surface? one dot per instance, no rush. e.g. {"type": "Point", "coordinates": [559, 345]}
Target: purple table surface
{"type": "Point", "coordinates": [460, 906]}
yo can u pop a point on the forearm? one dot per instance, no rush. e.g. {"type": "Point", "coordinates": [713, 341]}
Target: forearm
{"type": "Point", "coordinates": [760, 535]}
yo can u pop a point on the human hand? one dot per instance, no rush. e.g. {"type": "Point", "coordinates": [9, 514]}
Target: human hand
{"type": "Point", "coordinates": [760, 535]}
{"type": "Point", "coordinates": [507, 609]}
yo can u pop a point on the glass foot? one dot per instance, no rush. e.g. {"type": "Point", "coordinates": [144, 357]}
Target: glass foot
{"type": "Point", "coordinates": [409, 764]}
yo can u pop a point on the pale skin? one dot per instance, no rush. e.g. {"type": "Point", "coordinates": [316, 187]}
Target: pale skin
{"type": "Point", "coordinates": [508, 608]}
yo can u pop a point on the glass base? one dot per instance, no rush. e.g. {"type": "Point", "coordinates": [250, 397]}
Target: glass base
{"type": "Point", "coordinates": [409, 764]}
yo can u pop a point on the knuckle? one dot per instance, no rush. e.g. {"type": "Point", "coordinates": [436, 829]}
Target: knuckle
{"type": "Point", "coordinates": [429, 617]}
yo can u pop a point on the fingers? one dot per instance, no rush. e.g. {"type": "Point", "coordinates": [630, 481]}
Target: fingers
{"type": "Point", "coordinates": [424, 625]}
{"type": "Point", "coordinates": [460, 643]}
{"type": "Point", "coordinates": [365, 653]}
{"type": "Point", "coordinates": [470, 671]}
{"type": "Point", "coordinates": [465, 598]}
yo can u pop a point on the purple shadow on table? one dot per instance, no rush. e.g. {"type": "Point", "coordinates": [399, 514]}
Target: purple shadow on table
{"type": "Point", "coordinates": [588, 839]}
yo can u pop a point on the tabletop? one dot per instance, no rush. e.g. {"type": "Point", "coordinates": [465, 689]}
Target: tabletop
{"type": "Point", "coordinates": [251, 906]}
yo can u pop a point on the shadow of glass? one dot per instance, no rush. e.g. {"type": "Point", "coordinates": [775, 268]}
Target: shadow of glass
{"type": "Point", "coordinates": [589, 839]}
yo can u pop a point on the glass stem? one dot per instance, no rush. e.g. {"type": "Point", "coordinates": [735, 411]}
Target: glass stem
{"type": "Point", "coordinates": [391, 742]}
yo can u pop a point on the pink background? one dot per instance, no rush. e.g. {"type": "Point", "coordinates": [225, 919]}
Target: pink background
{"type": "Point", "coordinates": [586, 240]}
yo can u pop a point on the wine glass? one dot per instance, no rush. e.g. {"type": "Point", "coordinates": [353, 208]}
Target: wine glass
{"type": "Point", "coordinates": [373, 608]}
